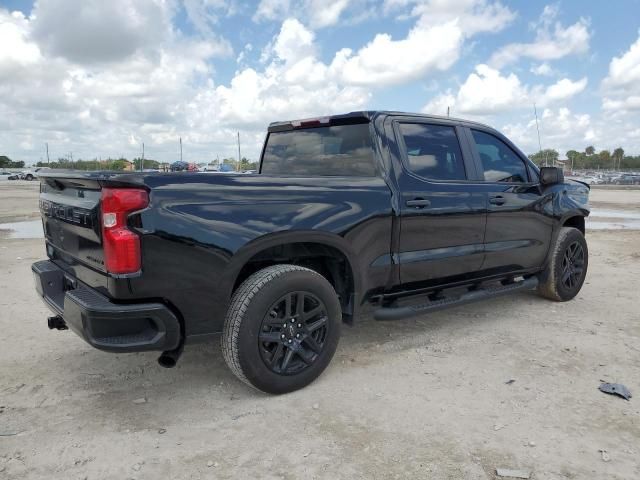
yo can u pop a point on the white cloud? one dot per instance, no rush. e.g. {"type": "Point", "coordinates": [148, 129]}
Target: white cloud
{"type": "Point", "coordinates": [385, 61]}
{"type": "Point", "coordinates": [622, 84]}
{"type": "Point", "coordinates": [316, 13]}
{"type": "Point", "coordinates": [294, 42]}
{"type": "Point", "coordinates": [548, 45]}
{"type": "Point", "coordinates": [563, 89]}
{"type": "Point", "coordinates": [94, 31]}
{"type": "Point", "coordinates": [543, 69]}
{"type": "Point", "coordinates": [325, 13]}
{"type": "Point", "coordinates": [624, 71]}
{"type": "Point", "coordinates": [473, 16]}
{"type": "Point", "coordinates": [294, 83]}
{"type": "Point", "coordinates": [563, 130]}
{"type": "Point", "coordinates": [15, 48]}
{"type": "Point", "coordinates": [559, 129]}
{"type": "Point", "coordinates": [205, 14]}
{"type": "Point", "coordinates": [271, 10]}
{"type": "Point", "coordinates": [488, 92]}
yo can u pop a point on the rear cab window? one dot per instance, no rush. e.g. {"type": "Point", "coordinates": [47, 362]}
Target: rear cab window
{"type": "Point", "coordinates": [340, 150]}
{"type": "Point", "coordinates": [432, 151]}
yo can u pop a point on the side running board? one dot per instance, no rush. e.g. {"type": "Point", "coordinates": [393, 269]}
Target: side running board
{"type": "Point", "coordinates": [398, 313]}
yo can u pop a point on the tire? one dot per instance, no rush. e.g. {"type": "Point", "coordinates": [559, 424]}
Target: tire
{"type": "Point", "coordinates": [562, 279]}
{"type": "Point", "coordinates": [258, 311]}
{"type": "Point", "coordinates": [29, 177]}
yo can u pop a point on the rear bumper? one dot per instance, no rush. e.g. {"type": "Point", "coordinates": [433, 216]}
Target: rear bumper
{"type": "Point", "coordinates": [101, 323]}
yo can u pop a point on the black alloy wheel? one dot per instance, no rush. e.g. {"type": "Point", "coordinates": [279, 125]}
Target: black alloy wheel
{"type": "Point", "coordinates": [293, 333]}
{"type": "Point", "coordinates": [572, 265]}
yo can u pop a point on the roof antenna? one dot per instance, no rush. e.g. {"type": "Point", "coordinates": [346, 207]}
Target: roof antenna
{"type": "Point", "coordinates": [535, 112]}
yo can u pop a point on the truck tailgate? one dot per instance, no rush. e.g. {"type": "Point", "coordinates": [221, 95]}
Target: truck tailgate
{"type": "Point", "coordinates": [70, 210]}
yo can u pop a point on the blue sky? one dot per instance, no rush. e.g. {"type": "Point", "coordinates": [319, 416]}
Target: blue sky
{"type": "Point", "coordinates": [99, 78]}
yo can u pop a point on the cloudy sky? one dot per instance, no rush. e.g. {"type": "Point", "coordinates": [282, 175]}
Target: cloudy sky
{"type": "Point", "coordinates": [97, 78]}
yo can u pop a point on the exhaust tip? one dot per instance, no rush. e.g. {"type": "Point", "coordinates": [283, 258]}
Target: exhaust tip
{"type": "Point", "coordinates": [167, 361]}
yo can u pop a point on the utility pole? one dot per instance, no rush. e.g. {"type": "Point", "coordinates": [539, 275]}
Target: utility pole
{"type": "Point", "coordinates": [142, 159]}
{"type": "Point", "coordinates": [535, 111]}
{"type": "Point", "coordinates": [71, 158]}
{"type": "Point", "coordinates": [447, 111]}
{"type": "Point", "coordinates": [47, 145]}
{"type": "Point", "coordinates": [180, 148]}
{"type": "Point", "coordinates": [239, 157]}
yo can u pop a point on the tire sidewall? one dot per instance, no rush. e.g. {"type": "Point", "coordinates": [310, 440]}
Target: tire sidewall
{"type": "Point", "coordinates": [573, 235]}
{"type": "Point", "coordinates": [251, 362]}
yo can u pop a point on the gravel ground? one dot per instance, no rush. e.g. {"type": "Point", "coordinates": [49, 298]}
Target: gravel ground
{"type": "Point", "coordinates": [429, 398]}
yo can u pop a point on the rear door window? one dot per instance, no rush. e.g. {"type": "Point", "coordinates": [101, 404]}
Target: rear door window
{"type": "Point", "coordinates": [433, 151]}
{"type": "Point", "coordinates": [341, 150]}
{"type": "Point", "coordinates": [499, 162]}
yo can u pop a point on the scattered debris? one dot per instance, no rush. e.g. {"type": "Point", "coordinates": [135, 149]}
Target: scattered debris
{"type": "Point", "coordinates": [605, 455]}
{"type": "Point", "coordinates": [498, 426]}
{"type": "Point", "coordinates": [507, 472]}
{"type": "Point", "coordinates": [532, 444]}
{"type": "Point", "coordinates": [139, 401]}
{"type": "Point", "coordinates": [509, 382]}
{"type": "Point", "coordinates": [209, 464]}
{"type": "Point", "coordinates": [616, 389]}
{"type": "Point", "coordinates": [307, 454]}
{"type": "Point", "coordinates": [137, 467]}
{"type": "Point", "coordinates": [8, 434]}
{"type": "Point", "coordinates": [316, 406]}
{"type": "Point", "coordinates": [162, 430]}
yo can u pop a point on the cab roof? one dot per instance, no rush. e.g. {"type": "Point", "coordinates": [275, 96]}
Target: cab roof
{"type": "Point", "coordinates": [363, 116]}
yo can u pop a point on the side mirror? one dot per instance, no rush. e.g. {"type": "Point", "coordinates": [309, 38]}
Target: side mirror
{"type": "Point", "coordinates": [551, 175]}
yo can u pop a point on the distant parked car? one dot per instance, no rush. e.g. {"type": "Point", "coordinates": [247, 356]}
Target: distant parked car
{"type": "Point", "coordinates": [31, 174]}
{"type": "Point", "coordinates": [627, 179]}
{"type": "Point", "coordinates": [14, 176]}
{"type": "Point", "coordinates": [593, 180]}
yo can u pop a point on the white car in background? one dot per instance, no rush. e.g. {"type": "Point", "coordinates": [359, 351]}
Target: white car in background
{"type": "Point", "coordinates": [592, 180]}
{"type": "Point", "coordinates": [31, 174]}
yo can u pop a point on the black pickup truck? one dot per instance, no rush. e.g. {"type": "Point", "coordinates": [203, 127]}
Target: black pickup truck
{"type": "Point", "coordinates": [400, 213]}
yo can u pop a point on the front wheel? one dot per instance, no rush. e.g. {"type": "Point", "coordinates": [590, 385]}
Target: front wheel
{"type": "Point", "coordinates": [566, 268]}
{"type": "Point", "coordinates": [282, 328]}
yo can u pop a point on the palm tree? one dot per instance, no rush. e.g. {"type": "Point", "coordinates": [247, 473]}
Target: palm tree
{"type": "Point", "coordinates": [590, 150]}
{"type": "Point", "coordinates": [618, 155]}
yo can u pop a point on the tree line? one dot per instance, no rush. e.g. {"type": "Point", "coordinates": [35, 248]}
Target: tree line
{"type": "Point", "coordinates": [95, 164]}
{"type": "Point", "coordinates": [6, 162]}
{"type": "Point", "coordinates": [589, 159]}
{"type": "Point", "coordinates": [122, 163]}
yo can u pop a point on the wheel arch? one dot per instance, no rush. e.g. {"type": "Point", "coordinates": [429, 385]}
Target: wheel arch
{"type": "Point", "coordinates": [328, 254]}
{"type": "Point", "coordinates": [575, 221]}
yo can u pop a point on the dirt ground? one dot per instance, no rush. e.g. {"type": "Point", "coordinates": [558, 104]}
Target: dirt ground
{"type": "Point", "coordinates": [425, 398]}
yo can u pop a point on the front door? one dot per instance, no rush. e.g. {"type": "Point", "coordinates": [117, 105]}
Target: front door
{"type": "Point", "coordinates": [442, 213]}
{"type": "Point", "coordinates": [519, 218]}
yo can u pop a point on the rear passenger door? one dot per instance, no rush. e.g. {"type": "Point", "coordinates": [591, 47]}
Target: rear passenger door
{"type": "Point", "coordinates": [519, 218]}
{"type": "Point", "coordinates": [442, 210]}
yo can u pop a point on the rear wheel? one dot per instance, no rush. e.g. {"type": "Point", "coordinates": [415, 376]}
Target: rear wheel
{"type": "Point", "coordinates": [282, 328]}
{"type": "Point", "coordinates": [566, 269]}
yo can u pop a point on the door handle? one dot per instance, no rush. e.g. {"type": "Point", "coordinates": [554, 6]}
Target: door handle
{"type": "Point", "coordinates": [497, 200]}
{"type": "Point", "coordinates": [418, 203]}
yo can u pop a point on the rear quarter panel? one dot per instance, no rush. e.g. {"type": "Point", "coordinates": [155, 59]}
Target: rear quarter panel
{"type": "Point", "coordinates": [201, 229]}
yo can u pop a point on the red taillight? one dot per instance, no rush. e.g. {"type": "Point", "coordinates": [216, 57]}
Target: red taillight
{"type": "Point", "coordinates": [121, 246]}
